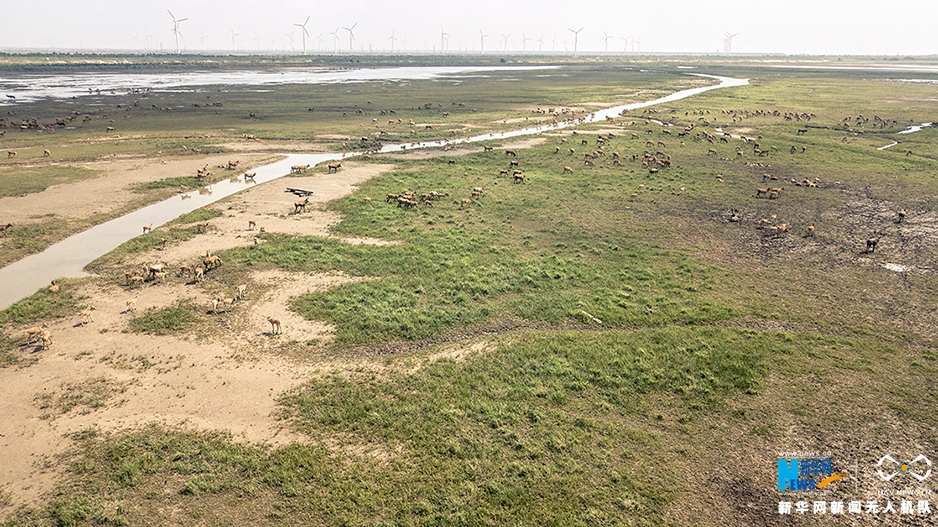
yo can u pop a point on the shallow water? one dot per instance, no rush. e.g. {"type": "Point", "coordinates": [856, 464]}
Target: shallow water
{"type": "Point", "coordinates": [69, 257]}
{"type": "Point", "coordinates": [32, 87]}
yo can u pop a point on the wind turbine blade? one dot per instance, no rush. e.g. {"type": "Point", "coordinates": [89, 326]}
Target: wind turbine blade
{"type": "Point", "coordinates": [353, 26]}
{"type": "Point", "coordinates": [304, 31]}
{"type": "Point", "coordinates": [307, 21]}
{"type": "Point", "coordinates": [171, 15]}
{"type": "Point", "coordinates": [182, 19]}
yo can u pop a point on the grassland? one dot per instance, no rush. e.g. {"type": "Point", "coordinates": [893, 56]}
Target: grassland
{"type": "Point", "coordinates": [641, 357]}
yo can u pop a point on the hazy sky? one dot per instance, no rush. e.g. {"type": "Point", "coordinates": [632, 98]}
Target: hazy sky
{"type": "Point", "coordinates": [854, 27]}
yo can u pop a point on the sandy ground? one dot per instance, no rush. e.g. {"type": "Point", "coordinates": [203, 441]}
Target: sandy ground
{"type": "Point", "coordinates": [108, 191]}
{"type": "Point", "coordinates": [228, 379]}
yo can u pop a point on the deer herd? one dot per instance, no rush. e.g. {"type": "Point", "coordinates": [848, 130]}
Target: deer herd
{"type": "Point", "coordinates": [412, 199]}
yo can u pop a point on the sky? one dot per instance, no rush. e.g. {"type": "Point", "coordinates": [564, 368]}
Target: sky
{"type": "Point", "coordinates": [792, 27]}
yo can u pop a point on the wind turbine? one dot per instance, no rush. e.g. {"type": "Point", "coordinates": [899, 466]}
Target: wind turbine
{"type": "Point", "coordinates": [728, 43]}
{"type": "Point", "coordinates": [176, 28]}
{"type": "Point", "coordinates": [443, 35]}
{"type": "Point", "coordinates": [335, 41]}
{"type": "Point", "coordinates": [505, 37]}
{"type": "Point", "coordinates": [576, 38]}
{"type": "Point", "coordinates": [553, 44]}
{"type": "Point", "coordinates": [321, 41]}
{"type": "Point", "coordinates": [304, 34]}
{"type": "Point", "coordinates": [639, 42]}
{"type": "Point", "coordinates": [540, 44]}
{"type": "Point", "coordinates": [625, 43]}
{"type": "Point", "coordinates": [233, 35]}
{"type": "Point", "coordinates": [202, 38]}
{"type": "Point", "coordinates": [393, 39]}
{"type": "Point", "coordinates": [292, 45]}
{"type": "Point", "coordinates": [482, 41]}
{"type": "Point", "coordinates": [351, 36]}
{"type": "Point", "coordinates": [606, 42]}
{"type": "Point", "coordinates": [524, 43]}
{"type": "Point", "coordinates": [146, 33]}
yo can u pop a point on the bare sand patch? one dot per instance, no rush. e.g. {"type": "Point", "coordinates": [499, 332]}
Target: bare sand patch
{"type": "Point", "coordinates": [223, 380]}
{"type": "Point", "coordinates": [112, 189]}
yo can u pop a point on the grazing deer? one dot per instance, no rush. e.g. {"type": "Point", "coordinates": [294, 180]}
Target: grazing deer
{"type": "Point", "coordinates": [54, 288]}
{"type": "Point", "coordinates": [132, 303]}
{"type": "Point", "coordinates": [5, 228]}
{"type": "Point", "coordinates": [147, 228]}
{"type": "Point", "coordinates": [333, 167]}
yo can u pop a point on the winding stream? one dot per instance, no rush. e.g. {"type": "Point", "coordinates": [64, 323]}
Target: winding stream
{"type": "Point", "coordinates": [69, 257]}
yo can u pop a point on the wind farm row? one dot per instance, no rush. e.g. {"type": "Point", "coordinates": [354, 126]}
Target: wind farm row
{"type": "Point", "coordinates": [343, 40]}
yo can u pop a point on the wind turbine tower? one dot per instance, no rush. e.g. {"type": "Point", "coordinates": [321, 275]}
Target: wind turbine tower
{"type": "Point", "coordinates": [443, 35]}
{"type": "Point", "coordinates": [304, 34]}
{"type": "Point", "coordinates": [606, 41]}
{"type": "Point", "coordinates": [482, 42]}
{"type": "Point", "coordinates": [728, 43]}
{"type": "Point", "coordinates": [576, 37]}
{"type": "Point", "coordinates": [351, 36]}
{"type": "Point", "coordinates": [504, 36]}
{"type": "Point", "coordinates": [393, 39]}
{"type": "Point", "coordinates": [176, 29]}
{"type": "Point", "coordinates": [233, 35]}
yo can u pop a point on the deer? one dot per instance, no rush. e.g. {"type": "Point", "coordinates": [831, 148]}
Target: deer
{"type": "Point", "coordinates": [5, 228]}
{"type": "Point", "coordinates": [334, 167]}
{"type": "Point", "coordinates": [33, 334]}
{"type": "Point", "coordinates": [131, 303]}
{"type": "Point", "coordinates": [147, 228]}
{"type": "Point", "coordinates": [54, 287]}
{"type": "Point", "coordinates": [300, 206]}
{"type": "Point", "coordinates": [274, 325]}
{"type": "Point", "coordinates": [252, 225]}
{"type": "Point", "coordinates": [201, 227]}
{"type": "Point", "coordinates": [86, 315]}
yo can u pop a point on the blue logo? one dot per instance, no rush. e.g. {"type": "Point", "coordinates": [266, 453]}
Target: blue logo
{"type": "Point", "coordinates": [806, 474]}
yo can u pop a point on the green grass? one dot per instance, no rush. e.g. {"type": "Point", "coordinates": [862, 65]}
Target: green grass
{"type": "Point", "coordinates": [167, 320]}
{"type": "Point", "coordinates": [21, 181]}
{"type": "Point", "coordinates": [42, 305]}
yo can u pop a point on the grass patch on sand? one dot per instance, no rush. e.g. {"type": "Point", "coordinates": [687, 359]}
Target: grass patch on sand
{"type": "Point", "coordinates": [167, 320]}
